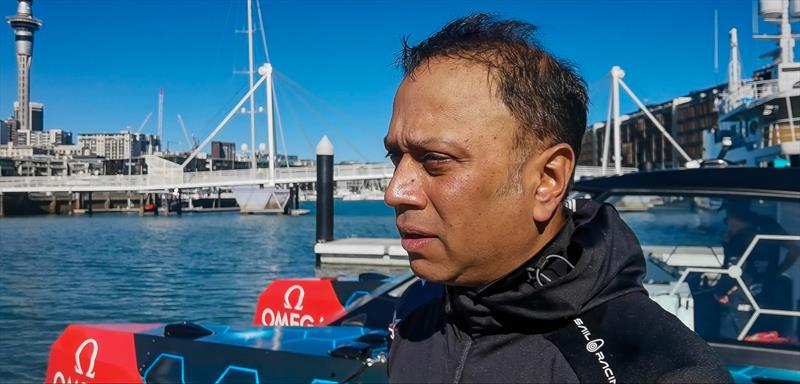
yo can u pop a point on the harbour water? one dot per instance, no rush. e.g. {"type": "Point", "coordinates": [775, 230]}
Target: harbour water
{"type": "Point", "coordinates": [57, 270]}
{"type": "Point", "coordinates": [116, 268]}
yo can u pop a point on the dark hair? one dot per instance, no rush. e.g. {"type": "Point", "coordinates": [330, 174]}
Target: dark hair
{"type": "Point", "coordinates": [543, 93]}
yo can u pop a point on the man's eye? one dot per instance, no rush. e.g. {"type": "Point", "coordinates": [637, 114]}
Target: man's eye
{"type": "Point", "coordinates": [435, 159]}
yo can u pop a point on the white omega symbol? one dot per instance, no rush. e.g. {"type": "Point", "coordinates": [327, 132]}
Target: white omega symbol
{"type": "Point", "coordinates": [78, 369]}
{"type": "Point", "coordinates": [298, 306]}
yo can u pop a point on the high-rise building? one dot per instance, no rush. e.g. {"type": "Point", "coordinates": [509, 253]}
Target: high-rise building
{"type": "Point", "coordinates": [112, 146]}
{"type": "Point", "coordinates": [4, 132]}
{"type": "Point", "coordinates": [37, 117]}
{"type": "Point", "coordinates": [24, 25]}
{"type": "Point", "coordinates": [223, 151]}
{"type": "Point", "coordinates": [8, 131]}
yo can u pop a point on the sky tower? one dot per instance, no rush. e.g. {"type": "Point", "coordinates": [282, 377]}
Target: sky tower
{"type": "Point", "coordinates": [24, 26]}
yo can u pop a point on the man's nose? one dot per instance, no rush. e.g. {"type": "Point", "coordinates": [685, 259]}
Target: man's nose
{"type": "Point", "coordinates": [405, 190]}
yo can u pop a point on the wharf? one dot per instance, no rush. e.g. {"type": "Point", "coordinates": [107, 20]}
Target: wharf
{"type": "Point", "coordinates": [360, 251]}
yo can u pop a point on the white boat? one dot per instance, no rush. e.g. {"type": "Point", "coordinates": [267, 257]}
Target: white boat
{"type": "Point", "coordinates": [761, 115]}
{"type": "Point", "coordinates": [261, 198]}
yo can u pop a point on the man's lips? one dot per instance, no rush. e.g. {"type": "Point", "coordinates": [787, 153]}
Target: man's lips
{"type": "Point", "coordinates": [415, 239]}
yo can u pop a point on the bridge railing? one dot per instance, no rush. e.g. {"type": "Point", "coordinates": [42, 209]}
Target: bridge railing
{"type": "Point", "coordinates": [188, 179]}
{"type": "Point", "coordinates": [211, 178]}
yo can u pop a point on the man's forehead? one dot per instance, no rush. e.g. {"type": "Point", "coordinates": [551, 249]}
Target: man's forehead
{"type": "Point", "coordinates": [446, 101]}
{"type": "Point", "coordinates": [442, 73]}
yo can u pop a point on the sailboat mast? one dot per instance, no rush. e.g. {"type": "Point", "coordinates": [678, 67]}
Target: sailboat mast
{"type": "Point", "coordinates": [250, 74]}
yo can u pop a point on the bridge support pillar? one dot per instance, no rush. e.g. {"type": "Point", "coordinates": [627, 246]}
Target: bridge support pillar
{"type": "Point", "coordinates": [52, 208]}
{"type": "Point", "coordinates": [156, 204]}
{"type": "Point", "coordinates": [141, 205]}
{"type": "Point", "coordinates": [2, 203]}
{"type": "Point", "coordinates": [89, 205]}
{"type": "Point", "coordinates": [71, 203]}
{"type": "Point", "coordinates": [179, 206]}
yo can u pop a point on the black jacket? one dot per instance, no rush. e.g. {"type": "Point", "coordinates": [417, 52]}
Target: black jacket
{"type": "Point", "coordinates": [580, 316]}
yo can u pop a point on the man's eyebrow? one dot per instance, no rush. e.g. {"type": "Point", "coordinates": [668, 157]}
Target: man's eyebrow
{"type": "Point", "coordinates": [420, 143]}
{"type": "Point", "coordinates": [425, 141]}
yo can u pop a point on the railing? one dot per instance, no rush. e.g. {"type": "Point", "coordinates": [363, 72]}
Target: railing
{"type": "Point", "coordinates": [212, 179]}
{"type": "Point", "coordinates": [748, 92]}
{"type": "Point", "coordinates": [179, 179]}
{"type": "Point", "coordinates": [783, 131]}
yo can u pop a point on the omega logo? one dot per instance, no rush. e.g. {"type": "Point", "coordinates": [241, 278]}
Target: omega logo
{"type": "Point", "coordinates": [59, 377]}
{"type": "Point", "coordinates": [298, 306]}
{"type": "Point", "coordinates": [290, 317]}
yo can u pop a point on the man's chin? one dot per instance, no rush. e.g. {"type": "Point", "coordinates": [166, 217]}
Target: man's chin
{"type": "Point", "coordinates": [429, 271]}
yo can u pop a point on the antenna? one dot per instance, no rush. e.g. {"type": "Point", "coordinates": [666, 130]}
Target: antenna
{"type": "Point", "coordinates": [716, 44]}
{"type": "Point", "coordinates": [160, 131]}
{"type": "Point", "coordinates": [755, 17]}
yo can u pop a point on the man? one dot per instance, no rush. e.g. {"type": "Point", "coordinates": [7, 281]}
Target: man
{"type": "Point", "coordinates": [484, 135]}
{"type": "Point", "coordinates": [763, 272]}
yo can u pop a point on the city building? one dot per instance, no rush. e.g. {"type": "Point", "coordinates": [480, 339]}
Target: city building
{"type": "Point", "coordinates": [86, 165]}
{"type": "Point", "coordinates": [21, 138]}
{"type": "Point", "coordinates": [7, 167]}
{"type": "Point", "coordinates": [36, 114]}
{"type": "Point", "coordinates": [71, 150]}
{"type": "Point", "coordinates": [60, 137]}
{"type": "Point", "coordinates": [118, 146]}
{"type": "Point", "coordinates": [4, 132]}
{"type": "Point", "coordinates": [14, 151]}
{"type": "Point", "coordinates": [8, 131]}
{"type": "Point", "coordinates": [223, 151]}
{"type": "Point", "coordinates": [41, 165]}
{"type": "Point", "coordinates": [686, 118]}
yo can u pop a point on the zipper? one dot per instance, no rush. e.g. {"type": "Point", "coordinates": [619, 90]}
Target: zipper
{"type": "Point", "coordinates": [463, 360]}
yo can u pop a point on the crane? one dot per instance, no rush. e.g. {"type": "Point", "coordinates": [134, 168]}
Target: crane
{"type": "Point", "coordinates": [193, 140]}
{"type": "Point", "coordinates": [141, 126]}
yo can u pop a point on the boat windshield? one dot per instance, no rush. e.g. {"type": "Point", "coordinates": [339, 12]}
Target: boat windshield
{"type": "Point", "coordinates": [739, 257]}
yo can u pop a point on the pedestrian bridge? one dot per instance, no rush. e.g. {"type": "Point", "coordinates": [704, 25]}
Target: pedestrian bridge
{"type": "Point", "coordinates": [161, 178]}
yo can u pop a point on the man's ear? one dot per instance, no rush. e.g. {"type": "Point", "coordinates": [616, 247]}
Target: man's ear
{"type": "Point", "coordinates": [555, 167]}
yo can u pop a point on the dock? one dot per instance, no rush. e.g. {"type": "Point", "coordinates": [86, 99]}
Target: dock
{"type": "Point", "coordinates": [360, 251]}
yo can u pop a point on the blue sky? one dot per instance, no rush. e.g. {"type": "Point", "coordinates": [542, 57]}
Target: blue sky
{"type": "Point", "coordinates": [98, 64]}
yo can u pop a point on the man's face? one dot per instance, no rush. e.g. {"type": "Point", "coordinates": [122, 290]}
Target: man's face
{"type": "Point", "coordinates": [462, 215]}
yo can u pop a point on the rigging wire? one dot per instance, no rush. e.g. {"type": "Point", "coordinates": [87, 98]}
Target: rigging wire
{"type": "Point", "coordinates": [323, 102]}
{"type": "Point", "coordinates": [263, 34]}
{"type": "Point", "coordinates": [280, 125]}
{"type": "Point", "coordinates": [300, 125]}
{"type": "Point", "coordinates": [224, 33]}
{"type": "Point", "coordinates": [322, 118]}
{"type": "Point", "coordinates": [224, 109]}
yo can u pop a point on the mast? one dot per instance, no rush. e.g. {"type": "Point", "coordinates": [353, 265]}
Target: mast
{"type": "Point", "coordinates": [270, 125]}
{"type": "Point", "coordinates": [735, 65]}
{"type": "Point", "coordinates": [160, 117]}
{"type": "Point", "coordinates": [250, 74]}
{"type": "Point", "coordinates": [616, 75]}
